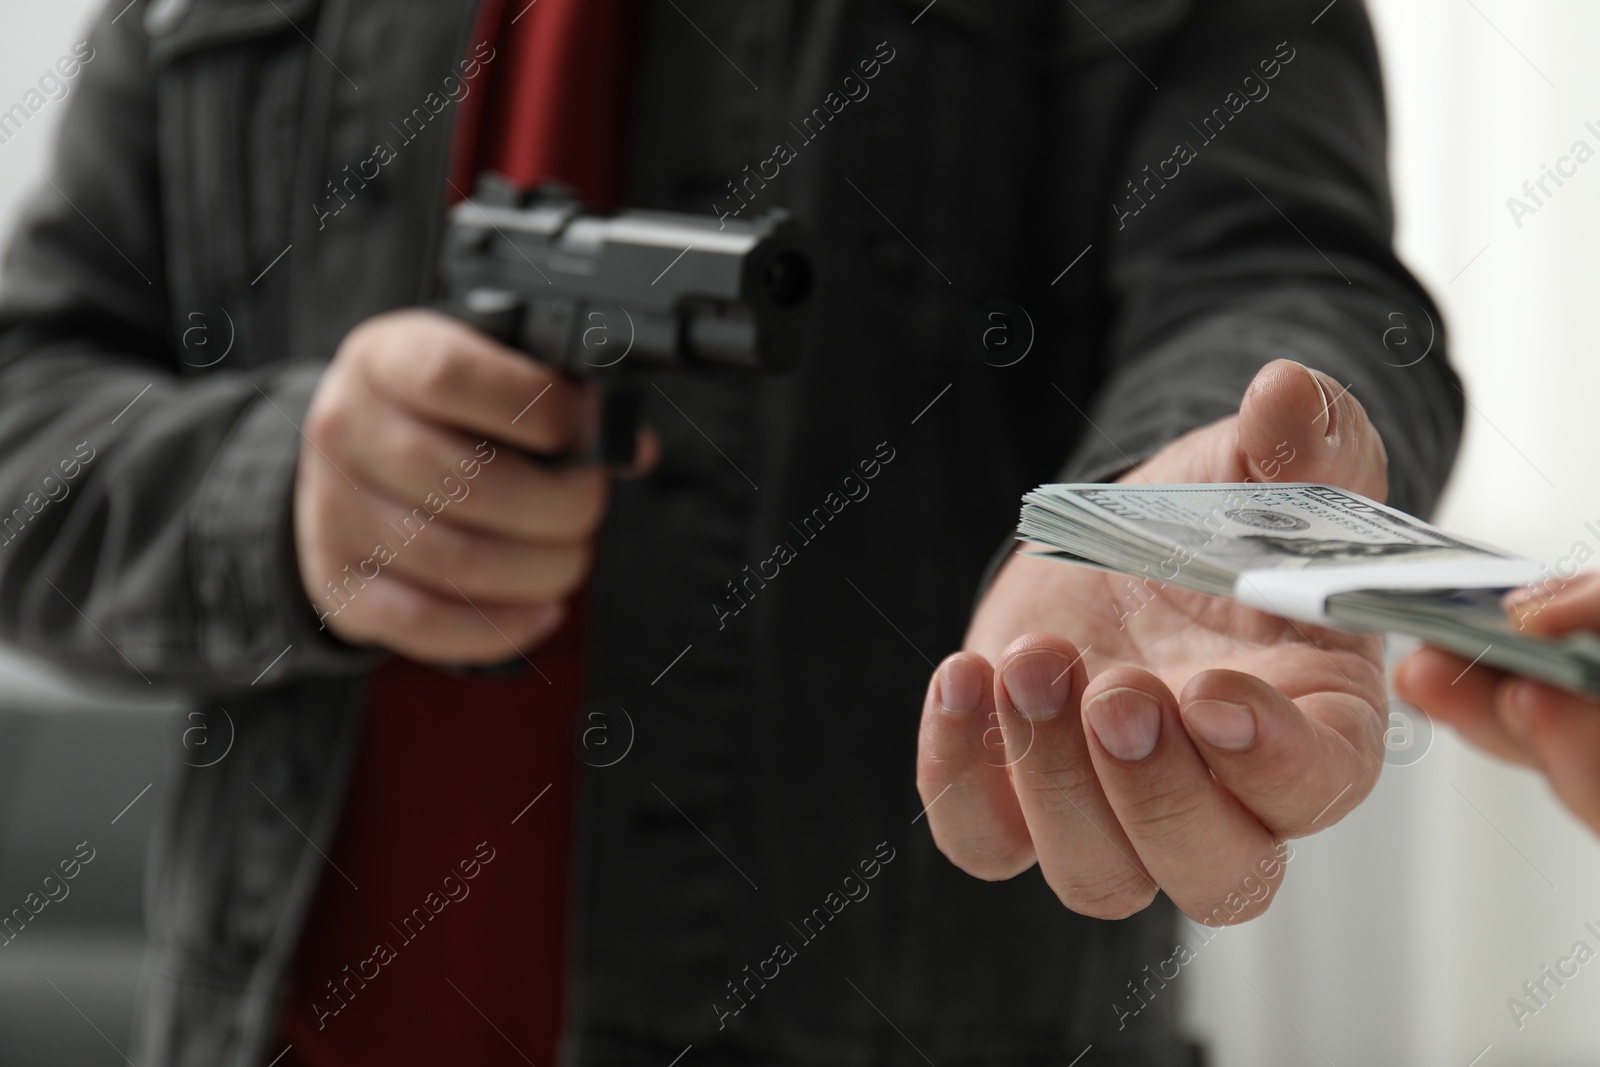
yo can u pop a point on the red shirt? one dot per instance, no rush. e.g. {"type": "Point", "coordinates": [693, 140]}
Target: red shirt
{"type": "Point", "coordinates": [438, 931]}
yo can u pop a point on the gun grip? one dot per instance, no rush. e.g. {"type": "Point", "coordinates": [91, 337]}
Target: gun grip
{"type": "Point", "coordinates": [621, 407]}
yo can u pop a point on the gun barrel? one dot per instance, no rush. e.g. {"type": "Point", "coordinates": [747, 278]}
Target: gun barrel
{"type": "Point", "coordinates": [592, 293]}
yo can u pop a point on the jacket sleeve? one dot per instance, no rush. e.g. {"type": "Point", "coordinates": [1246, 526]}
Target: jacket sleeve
{"type": "Point", "coordinates": [144, 516]}
{"type": "Point", "coordinates": [1265, 233]}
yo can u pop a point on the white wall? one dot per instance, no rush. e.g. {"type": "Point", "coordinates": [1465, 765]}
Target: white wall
{"type": "Point", "coordinates": [1403, 930]}
{"type": "Point", "coordinates": [35, 36]}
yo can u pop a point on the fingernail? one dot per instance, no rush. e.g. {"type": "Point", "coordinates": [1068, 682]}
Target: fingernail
{"type": "Point", "coordinates": [1221, 724]}
{"type": "Point", "coordinates": [1520, 596]}
{"type": "Point", "coordinates": [1127, 722]}
{"type": "Point", "coordinates": [1516, 711]}
{"type": "Point", "coordinates": [1522, 604]}
{"type": "Point", "coordinates": [1402, 673]}
{"type": "Point", "coordinates": [960, 686]}
{"type": "Point", "coordinates": [1039, 683]}
{"type": "Point", "coordinates": [1328, 410]}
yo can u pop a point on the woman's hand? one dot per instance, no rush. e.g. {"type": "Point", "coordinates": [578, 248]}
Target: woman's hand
{"type": "Point", "coordinates": [1517, 719]}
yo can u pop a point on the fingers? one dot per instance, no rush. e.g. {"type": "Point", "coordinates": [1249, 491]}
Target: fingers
{"type": "Point", "coordinates": [1294, 425]}
{"type": "Point", "coordinates": [427, 590]}
{"type": "Point", "coordinates": [450, 374]}
{"type": "Point", "coordinates": [1462, 695]}
{"type": "Point", "coordinates": [1554, 608]}
{"type": "Point", "coordinates": [1300, 425]}
{"type": "Point", "coordinates": [1083, 853]}
{"type": "Point", "coordinates": [1116, 787]}
{"type": "Point", "coordinates": [434, 629]}
{"type": "Point", "coordinates": [1563, 733]}
{"type": "Point", "coordinates": [451, 562]}
{"type": "Point", "coordinates": [487, 530]}
{"type": "Point", "coordinates": [522, 499]}
{"type": "Point", "coordinates": [420, 523]}
{"type": "Point", "coordinates": [1514, 719]}
{"type": "Point", "coordinates": [509, 496]}
{"type": "Point", "coordinates": [646, 456]}
{"type": "Point", "coordinates": [962, 776]}
{"type": "Point", "coordinates": [1193, 837]}
{"type": "Point", "coordinates": [1298, 766]}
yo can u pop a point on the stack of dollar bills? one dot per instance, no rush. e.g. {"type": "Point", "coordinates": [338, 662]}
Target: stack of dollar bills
{"type": "Point", "coordinates": [1313, 553]}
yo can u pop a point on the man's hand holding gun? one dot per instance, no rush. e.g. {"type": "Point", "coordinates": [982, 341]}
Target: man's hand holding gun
{"type": "Point", "coordinates": [495, 439]}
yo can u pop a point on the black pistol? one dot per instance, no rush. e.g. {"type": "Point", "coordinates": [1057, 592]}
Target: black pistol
{"type": "Point", "coordinates": [619, 298]}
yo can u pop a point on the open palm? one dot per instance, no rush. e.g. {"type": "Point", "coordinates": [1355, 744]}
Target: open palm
{"type": "Point", "coordinates": [1175, 634]}
{"type": "Point", "coordinates": [1130, 737]}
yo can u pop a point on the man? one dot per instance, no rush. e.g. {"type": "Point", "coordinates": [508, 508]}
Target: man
{"type": "Point", "coordinates": [1172, 200]}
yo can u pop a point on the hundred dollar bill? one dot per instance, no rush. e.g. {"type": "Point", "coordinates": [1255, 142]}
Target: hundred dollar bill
{"type": "Point", "coordinates": [1314, 553]}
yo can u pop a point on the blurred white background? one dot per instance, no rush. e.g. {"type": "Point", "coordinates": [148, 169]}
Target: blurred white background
{"type": "Point", "coordinates": [36, 36]}
{"type": "Point", "coordinates": [1402, 931]}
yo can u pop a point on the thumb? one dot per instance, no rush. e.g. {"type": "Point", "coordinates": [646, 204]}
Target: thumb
{"type": "Point", "coordinates": [1299, 425]}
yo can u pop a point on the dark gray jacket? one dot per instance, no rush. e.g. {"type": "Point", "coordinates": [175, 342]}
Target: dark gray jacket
{"type": "Point", "coordinates": [989, 159]}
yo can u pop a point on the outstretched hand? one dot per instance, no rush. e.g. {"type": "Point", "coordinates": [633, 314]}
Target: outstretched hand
{"type": "Point", "coordinates": [1130, 737]}
{"type": "Point", "coordinates": [1518, 719]}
